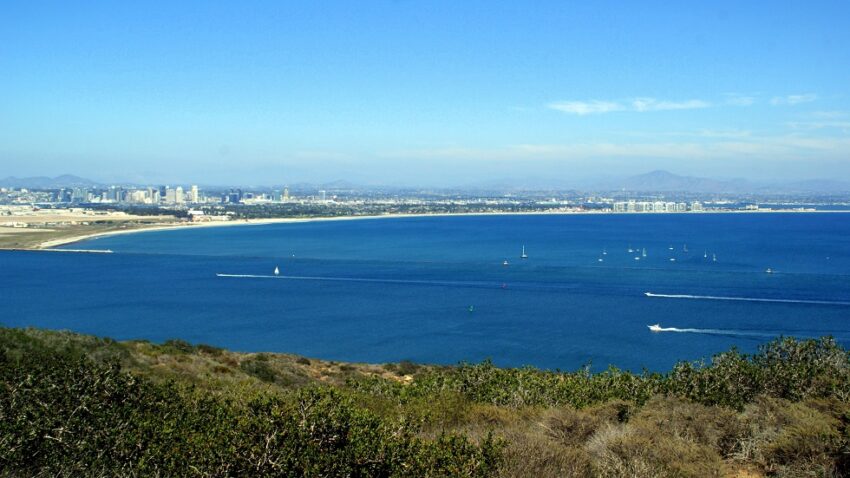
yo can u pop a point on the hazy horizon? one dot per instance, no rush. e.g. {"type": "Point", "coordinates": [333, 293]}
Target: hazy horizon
{"type": "Point", "coordinates": [423, 94]}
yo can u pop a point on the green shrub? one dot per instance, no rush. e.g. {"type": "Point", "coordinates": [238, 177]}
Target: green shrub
{"type": "Point", "coordinates": [209, 350]}
{"type": "Point", "coordinates": [178, 345]}
{"type": "Point", "coordinates": [406, 367]}
{"type": "Point", "coordinates": [65, 415]}
{"type": "Point", "coordinates": [260, 369]}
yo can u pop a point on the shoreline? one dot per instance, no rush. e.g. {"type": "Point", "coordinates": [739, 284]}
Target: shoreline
{"type": "Point", "coordinates": [50, 244]}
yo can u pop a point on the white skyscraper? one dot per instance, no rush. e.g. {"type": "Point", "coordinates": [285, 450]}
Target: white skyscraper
{"type": "Point", "coordinates": [196, 197]}
{"type": "Point", "coordinates": [170, 196]}
{"type": "Point", "coordinates": [179, 196]}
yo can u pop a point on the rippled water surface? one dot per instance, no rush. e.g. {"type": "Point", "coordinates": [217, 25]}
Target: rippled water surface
{"type": "Point", "coordinates": [437, 290]}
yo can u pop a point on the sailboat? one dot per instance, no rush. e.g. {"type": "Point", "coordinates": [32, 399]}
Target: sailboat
{"type": "Point", "coordinates": [714, 258]}
{"type": "Point", "coordinates": [705, 255]}
{"type": "Point", "coordinates": [276, 271]}
{"type": "Point", "coordinates": [604, 252]}
{"type": "Point", "coordinates": [644, 252]}
{"type": "Point", "coordinates": [685, 248]}
{"type": "Point", "coordinates": [523, 255]}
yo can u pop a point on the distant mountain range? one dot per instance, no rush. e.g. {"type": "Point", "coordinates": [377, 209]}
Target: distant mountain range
{"type": "Point", "coordinates": [654, 181]}
{"type": "Point", "coordinates": [44, 182]}
{"type": "Point", "coordinates": [665, 181]}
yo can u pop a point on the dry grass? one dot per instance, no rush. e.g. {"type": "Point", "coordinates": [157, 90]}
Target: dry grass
{"type": "Point", "coordinates": [29, 238]}
{"type": "Point", "coordinates": [665, 437]}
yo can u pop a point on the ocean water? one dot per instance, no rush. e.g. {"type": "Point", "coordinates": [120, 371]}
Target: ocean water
{"type": "Point", "coordinates": [435, 289]}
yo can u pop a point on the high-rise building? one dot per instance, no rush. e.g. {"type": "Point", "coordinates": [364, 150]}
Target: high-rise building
{"type": "Point", "coordinates": [196, 196]}
{"type": "Point", "coordinates": [323, 195]}
{"type": "Point", "coordinates": [170, 196]}
{"type": "Point", "coordinates": [80, 195]}
{"type": "Point", "coordinates": [179, 196]}
{"type": "Point", "coordinates": [285, 193]}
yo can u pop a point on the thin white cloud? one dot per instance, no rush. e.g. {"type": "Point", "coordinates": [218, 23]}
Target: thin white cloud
{"type": "Point", "coordinates": [735, 99]}
{"type": "Point", "coordinates": [829, 114]}
{"type": "Point", "coordinates": [793, 99]}
{"type": "Point", "coordinates": [652, 104]}
{"type": "Point", "coordinates": [729, 133]}
{"type": "Point", "coordinates": [582, 108]}
{"type": "Point", "coordinates": [642, 104]}
{"type": "Point", "coordinates": [813, 125]}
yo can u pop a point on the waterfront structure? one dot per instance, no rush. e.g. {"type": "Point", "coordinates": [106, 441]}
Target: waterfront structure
{"type": "Point", "coordinates": [654, 206]}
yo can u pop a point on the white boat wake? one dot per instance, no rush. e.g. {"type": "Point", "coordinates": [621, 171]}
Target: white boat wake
{"type": "Point", "coordinates": [747, 299]}
{"type": "Point", "coordinates": [738, 333]}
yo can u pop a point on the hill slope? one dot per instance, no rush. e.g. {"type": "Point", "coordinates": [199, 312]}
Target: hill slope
{"type": "Point", "coordinates": [83, 406]}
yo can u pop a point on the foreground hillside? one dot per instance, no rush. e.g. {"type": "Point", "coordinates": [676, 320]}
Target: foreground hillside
{"type": "Point", "coordinates": [74, 405]}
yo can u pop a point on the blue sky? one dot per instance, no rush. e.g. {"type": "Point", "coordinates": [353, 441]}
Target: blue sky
{"type": "Point", "coordinates": [418, 92]}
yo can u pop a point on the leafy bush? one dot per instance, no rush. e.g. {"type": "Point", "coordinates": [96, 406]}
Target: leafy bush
{"type": "Point", "coordinates": [179, 346]}
{"type": "Point", "coordinates": [785, 368]}
{"type": "Point", "coordinates": [259, 368]}
{"type": "Point", "coordinates": [62, 414]}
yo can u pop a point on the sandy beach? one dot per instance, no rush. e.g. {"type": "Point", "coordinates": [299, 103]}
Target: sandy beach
{"type": "Point", "coordinates": [259, 222]}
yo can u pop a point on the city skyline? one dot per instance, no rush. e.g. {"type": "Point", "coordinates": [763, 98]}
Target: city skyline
{"type": "Point", "coordinates": [423, 94]}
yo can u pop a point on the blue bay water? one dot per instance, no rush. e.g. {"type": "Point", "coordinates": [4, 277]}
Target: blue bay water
{"type": "Point", "coordinates": [435, 289]}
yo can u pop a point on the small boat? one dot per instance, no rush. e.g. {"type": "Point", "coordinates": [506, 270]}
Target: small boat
{"type": "Point", "coordinates": [705, 255]}
{"type": "Point", "coordinates": [471, 308]}
{"type": "Point", "coordinates": [523, 255]}
{"type": "Point", "coordinates": [276, 271]}
{"type": "Point", "coordinates": [655, 327]}
{"type": "Point", "coordinates": [505, 263]}
{"type": "Point", "coordinates": [630, 248]}
{"type": "Point", "coordinates": [604, 252]}
{"type": "Point", "coordinates": [670, 248]}
{"type": "Point", "coordinates": [637, 258]}
{"type": "Point", "coordinates": [769, 270]}
{"type": "Point", "coordinates": [599, 260]}
{"type": "Point", "coordinates": [672, 259]}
